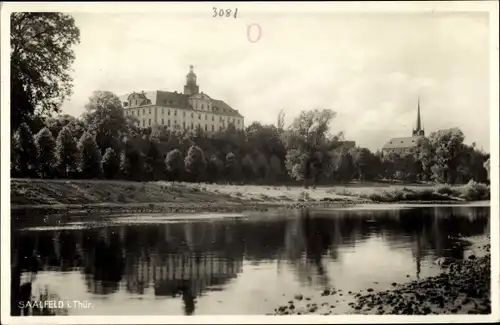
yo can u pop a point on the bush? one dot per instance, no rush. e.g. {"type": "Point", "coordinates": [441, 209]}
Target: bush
{"type": "Point", "coordinates": [474, 191]}
{"type": "Point", "coordinates": [445, 189]}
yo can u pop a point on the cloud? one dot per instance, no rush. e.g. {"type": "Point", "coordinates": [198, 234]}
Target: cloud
{"type": "Point", "coordinates": [370, 68]}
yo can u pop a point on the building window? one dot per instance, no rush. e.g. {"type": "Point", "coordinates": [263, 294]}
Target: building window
{"type": "Point", "coordinates": [192, 115]}
{"type": "Point", "coordinates": [143, 122]}
{"type": "Point", "coordinates": [238, 122]}
{"type": "Point", "coordinates": [162, 121]}
{"type": "Point", "coordinates": [220, 128]}
{"type": "Point", "coordinates": [168, 122]}
{"type": "Point", "coordinates": [199, 116]}
{"type": "Point", "coordinates": [168, 112]}
{"type": "Point", "coordinates": [212, 118]}
{"type": "Point", "coordinates": [221, 118]}
{"type": "Point", "coordinates": [150, 110]}
{"type": "Point", "coordinates": [206, 127]}
{"type": "Point", "coordinates": [201, 106]}
{"type": "Point", "coordinates": [149, 122]}
{"type": "Point", "coordinates": [199, 126]}
{"type": "Point", "coordinates": [143, 111]}
{"type": "Point", "coordinates": [206, 117]}
{"type": "Point", "coordinates": [184, 114]}
{"type": "Point", "coordinates": [192, 126]}
{"type": "Point", "coordinates": [132, 113]}
{"type": "Point", "coordinates": [175, 112]}
{"type": "Point", "coordinates": [138, 112]}
{"type": "Point", "coordinates": [183, 125]}
{"type": "Point", "coordinates": [212, 128]}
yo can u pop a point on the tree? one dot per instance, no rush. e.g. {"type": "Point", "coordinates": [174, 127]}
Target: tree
{"type": "Point", "coordinates": [55, 125]}
{"type": "Point", "coordinates": [487, 166]}
{"type": "Point", "coordinates": [106, 120]}
{"type": "Point", "coordinates": [425, 154]}
{"type": "Point", "coordinates": [46, 149]}
{"type": "Point", "coordinates": [248, 168]}
{"type": "Point", "coordinates": [153, 161]}
{"type": "Point", "coordinates": [281, 121]}
{"type": "Point", "coordinates": [41, 55]}
{"type": "Point", "coordinates": [110, 163]}
{"type": "Point", "coordinates": [90, 157]}
{"type": "Point", "coordinates": [231, 168]}
{"type": "Point", "coordinates": [195, 163]}
{"type": "Point", "coordinates": [14, 157]}
{"type": "Point", "coordinates": [215, 167]}
{"type": "Point", "coordinates": [275, 167]}
{"type": "Point", "coordinates": [447, 144]}
{"type": "Point", "coordinates": [174, 164]}
{"type": "Point", "coordinates": [261, 165]}
{"type": "Point", "coordinates": [131, 162]}
{"type": "Point", "coordinates": [309, 146]}
{"type": "Point", "coordinates": [66, 153]}
{"type": "Point", "coordinates": [25, 151]}
{"type": "Point", "coordinates": [344, 168]}
{"type": "Point", "coordinates": [368, 165]}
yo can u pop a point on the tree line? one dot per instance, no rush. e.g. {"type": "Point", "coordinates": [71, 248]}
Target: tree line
{"type": "Point", "coordinates": [104, 143]}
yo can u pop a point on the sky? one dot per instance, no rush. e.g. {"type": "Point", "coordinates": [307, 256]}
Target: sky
{"type": "Point", "coordinates": [369, 68]}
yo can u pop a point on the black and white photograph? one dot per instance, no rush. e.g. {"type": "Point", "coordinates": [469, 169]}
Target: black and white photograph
{"type": "Point", "coordinates": [330, 162]}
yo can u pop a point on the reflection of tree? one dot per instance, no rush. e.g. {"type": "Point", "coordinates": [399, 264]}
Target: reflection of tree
{"type": "Point", "coordinates": [188, 259]}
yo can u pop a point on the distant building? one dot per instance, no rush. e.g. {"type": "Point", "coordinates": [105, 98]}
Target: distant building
{"type": "Point", "coordinates": [406, 144]}
{"type": "Point", "coordinates": [185, 111]}
{"type": "Point", "coordinates": [346, 145]}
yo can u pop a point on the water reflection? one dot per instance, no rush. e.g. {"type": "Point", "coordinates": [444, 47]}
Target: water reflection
{"type": "Point", "coordinates": [188, 260]}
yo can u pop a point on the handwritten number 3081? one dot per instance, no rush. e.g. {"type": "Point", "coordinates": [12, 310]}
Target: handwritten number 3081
{"type": "Point", "coordinates": [227, 13]}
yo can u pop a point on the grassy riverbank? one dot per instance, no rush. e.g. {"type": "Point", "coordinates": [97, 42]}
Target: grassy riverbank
{"type": "Point", "coordinates": [105, 195]}
{"type": "Point", "coordinates": [463, 287]}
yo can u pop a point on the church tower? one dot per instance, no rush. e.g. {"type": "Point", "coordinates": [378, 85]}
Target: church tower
{"type": "Point", "coordinates": [191, 88]}
{"type": "Point", "coordinates": [419, 131]}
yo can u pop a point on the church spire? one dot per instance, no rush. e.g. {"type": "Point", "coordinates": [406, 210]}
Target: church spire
{"type": "Point", "coordinates": [419, 126]}
{"type": "Point", "coordinates": [419, 129]}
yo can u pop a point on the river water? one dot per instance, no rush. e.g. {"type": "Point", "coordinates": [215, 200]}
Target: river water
{"type": "Point", "coordinates": [234, 264]}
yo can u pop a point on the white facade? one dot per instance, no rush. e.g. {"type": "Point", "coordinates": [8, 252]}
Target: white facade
{"type": "Point", "coordinates": [184, 111]}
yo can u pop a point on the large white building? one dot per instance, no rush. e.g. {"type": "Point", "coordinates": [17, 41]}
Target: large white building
{"type": "Point", "coordinates": [186, 111]}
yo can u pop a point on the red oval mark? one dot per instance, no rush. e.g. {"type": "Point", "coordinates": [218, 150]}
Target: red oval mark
{"type": "Point", "coordinates": [249, 30]}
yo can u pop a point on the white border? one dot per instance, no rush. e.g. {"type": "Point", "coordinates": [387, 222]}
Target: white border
{"type": "Point", "coordinates": [252, 8]}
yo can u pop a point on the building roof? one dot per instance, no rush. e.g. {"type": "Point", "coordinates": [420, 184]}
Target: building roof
{"type": "Point", "coordinates": [180, 100]}
{"type": "Point", "coordinates": [406, 142]}
{"type": "Point", "coordinates": [346, 145]}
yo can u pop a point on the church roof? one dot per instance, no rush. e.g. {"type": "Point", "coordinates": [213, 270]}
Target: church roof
{"type": "Point", "coordinates": [180, 100]}
{"type": "Point", "coordinates": [406, 142]}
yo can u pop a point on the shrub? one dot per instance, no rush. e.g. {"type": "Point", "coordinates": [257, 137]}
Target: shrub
{"type": "Point", "coordinates": [474, 191]}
